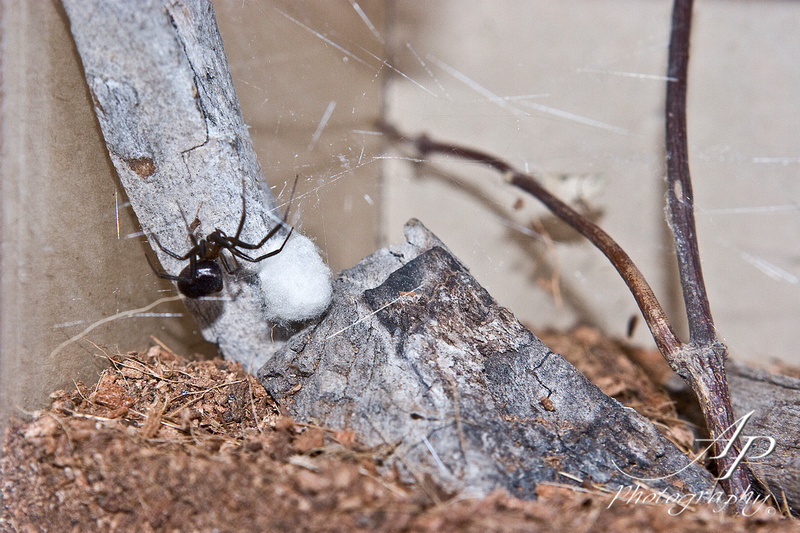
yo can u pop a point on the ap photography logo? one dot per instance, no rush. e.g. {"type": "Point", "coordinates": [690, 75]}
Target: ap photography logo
{"type": "Point", "coordinates": [636, 493]}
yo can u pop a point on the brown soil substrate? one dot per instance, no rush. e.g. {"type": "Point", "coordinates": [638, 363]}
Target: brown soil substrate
{"type": "Point", "coordinates": [163, 443]}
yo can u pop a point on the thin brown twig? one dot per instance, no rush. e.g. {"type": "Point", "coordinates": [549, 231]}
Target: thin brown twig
{"type": "Point", "coordinates": [680, 197]}
{"type": "Point", "coordinates": [702, 366]}
{"type": "Point", "coordinates": [663, 334]}
{"type": "Point", "coordinates": [702, 362]}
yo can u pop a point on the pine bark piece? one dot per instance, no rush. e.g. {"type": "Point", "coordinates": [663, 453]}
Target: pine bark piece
{"type": "Point", "coordinates": [165, 101]}
{"type": "Point", "coordinates": [416, 355]}
{"type": "Point", "coordinates": [775, 402]}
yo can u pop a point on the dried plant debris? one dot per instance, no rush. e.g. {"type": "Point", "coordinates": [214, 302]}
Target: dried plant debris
{"type": "Point", "coordinates": [162, 443]}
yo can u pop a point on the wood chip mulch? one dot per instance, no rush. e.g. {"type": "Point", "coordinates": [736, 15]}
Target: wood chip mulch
{"type": "Point", "coordinates": [164, 443]}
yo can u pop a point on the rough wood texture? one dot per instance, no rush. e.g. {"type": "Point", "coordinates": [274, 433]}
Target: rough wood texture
{"type": "Point", "coordinates": [166, 104]}
{"type": "Point", "coordinates": [414, 354]}
{"type": "Point", "coordinates": [775, 400]}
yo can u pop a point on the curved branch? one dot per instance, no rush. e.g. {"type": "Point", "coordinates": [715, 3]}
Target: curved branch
{"type": "Point", "coordinates": [666, 340]}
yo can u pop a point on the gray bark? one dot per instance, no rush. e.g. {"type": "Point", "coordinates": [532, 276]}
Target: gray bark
{"type": "Point", "coordinates": [165, 101]}
{"type": "Point", "coordinates": [415, 355]}
{"type": "Point", "coordinates": [775, 402]}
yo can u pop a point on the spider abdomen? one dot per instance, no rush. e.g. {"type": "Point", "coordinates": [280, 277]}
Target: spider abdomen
{"type": "Point", "coordinates": [207, 279]}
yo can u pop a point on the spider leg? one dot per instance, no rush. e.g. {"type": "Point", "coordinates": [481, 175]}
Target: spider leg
{"type": "Point", "coordinates": [291, 198]}
{"type": "Point", "coordinates": [192, 267]}
{"type": "Point", "coordinates": [244, 214]}
{"type": "Point", "coordinates": [190, 228]}
{"type": "Point", "coordinates": [247, 246]}
{"type": "Point", "coordinates": [242, 255]}
{"type": "Point", "coordinates": [172, 254]}
{"type": "Point", "coordinates": [234, 241]}
{"type": "Point", "coordinates": [225, 264]}
{"type": "Point", "coordinates": [161, 274]}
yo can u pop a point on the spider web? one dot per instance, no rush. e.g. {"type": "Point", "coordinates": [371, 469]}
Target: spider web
{"type": "Point", "coordinates": [573, 92]}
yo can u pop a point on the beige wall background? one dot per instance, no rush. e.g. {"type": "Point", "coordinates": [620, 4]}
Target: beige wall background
{"type": "Point", "coordinates": [572, 89]}
{"type": "Point", "coordinates": [578, 88]}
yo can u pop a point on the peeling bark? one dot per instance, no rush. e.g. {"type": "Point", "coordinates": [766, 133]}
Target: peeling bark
{"type": "Point", "coordinates": [775, 402]}
{"type": "Point", "coordinates": [414, 354]}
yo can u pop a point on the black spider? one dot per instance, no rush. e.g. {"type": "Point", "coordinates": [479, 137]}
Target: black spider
{"type": "Point", "coordinates": [203, 275]}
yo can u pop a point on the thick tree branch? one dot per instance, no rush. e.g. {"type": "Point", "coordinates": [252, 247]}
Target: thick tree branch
{"type": "Point", "coordinates": [165, 102]}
